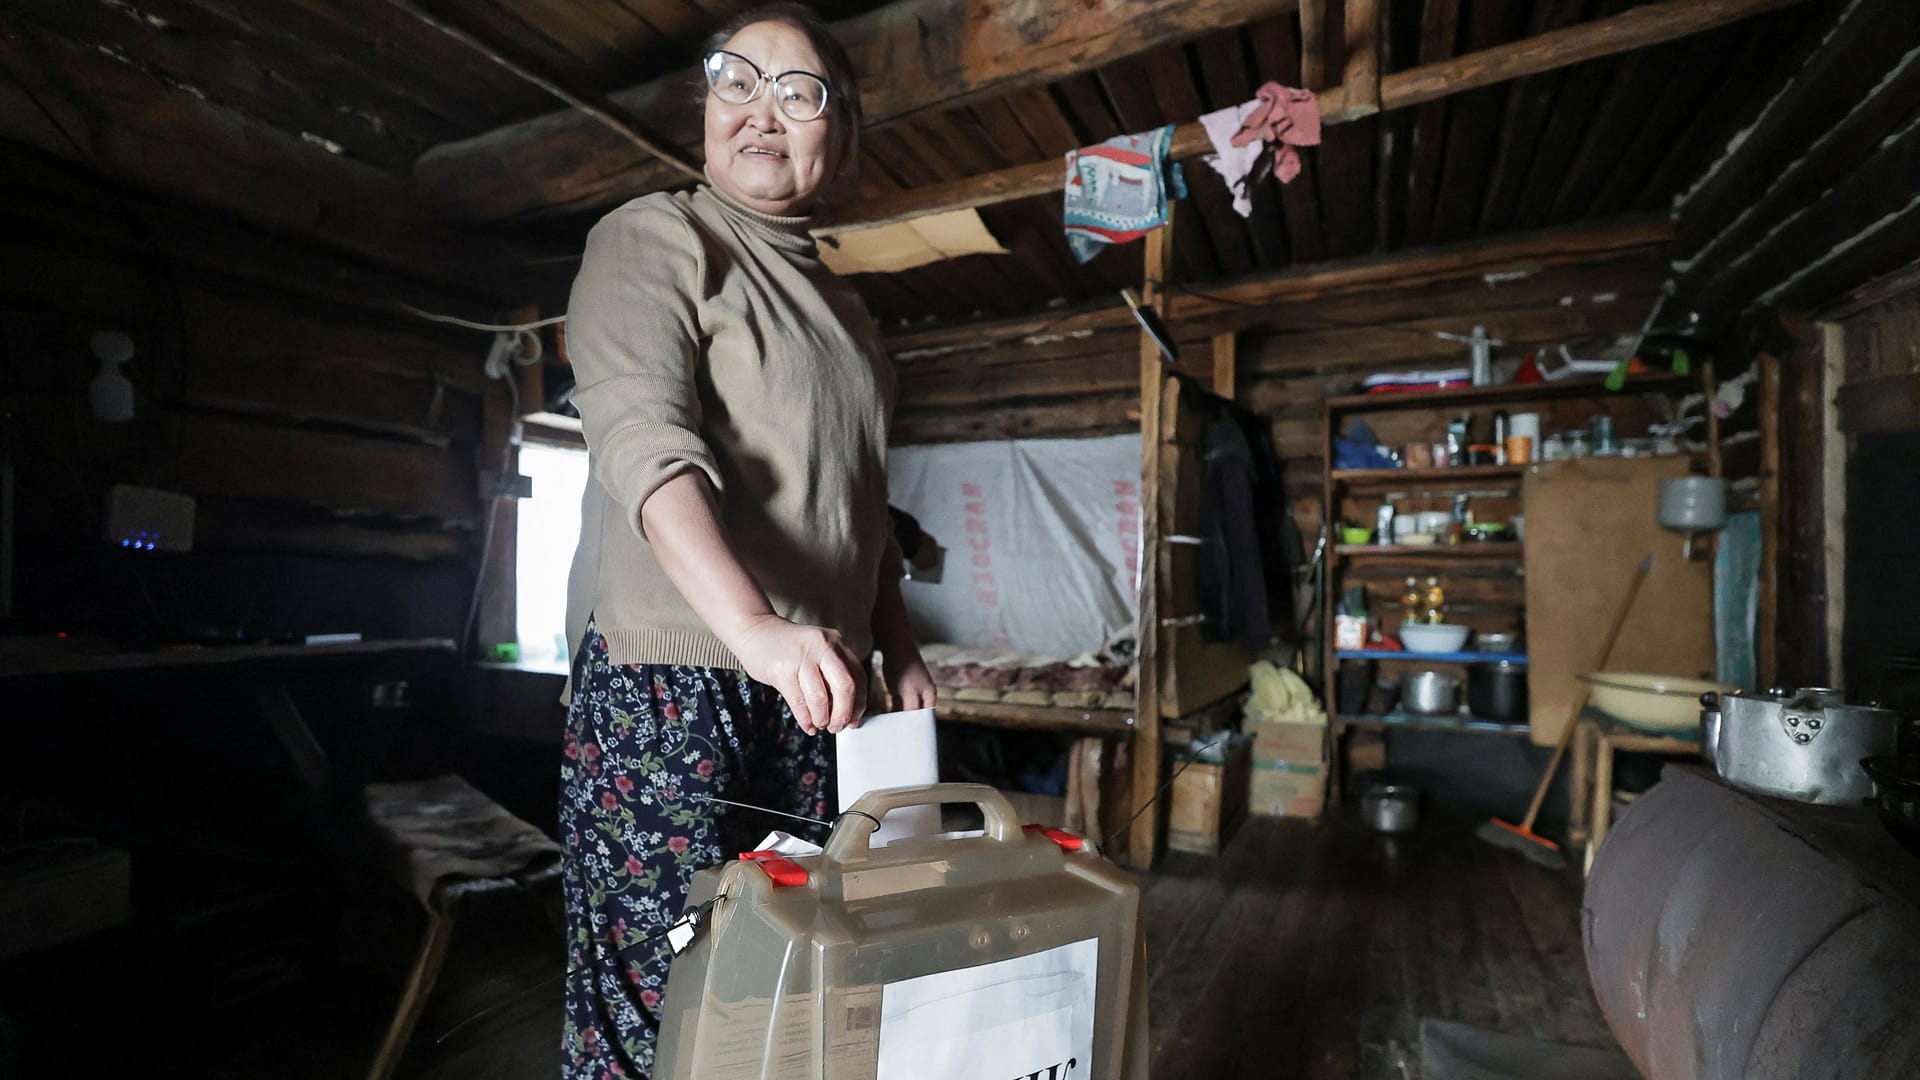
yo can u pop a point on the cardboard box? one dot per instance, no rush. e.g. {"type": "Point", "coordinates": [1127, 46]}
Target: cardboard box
{"type": "Point", "coordinates": [1209, 801]}
{"type": "Point", "coordinates": [1288, 789]}
{"type": "Point", "coordinates": [1299, 744]}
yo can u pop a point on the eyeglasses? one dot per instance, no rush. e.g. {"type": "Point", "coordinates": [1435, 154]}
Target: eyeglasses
{"type": "Point", "coordinates": [801, 95]}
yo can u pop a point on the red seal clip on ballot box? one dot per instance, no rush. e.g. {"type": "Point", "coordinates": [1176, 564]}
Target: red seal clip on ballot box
{"type": "Point", "coordinates": [1013, 954]}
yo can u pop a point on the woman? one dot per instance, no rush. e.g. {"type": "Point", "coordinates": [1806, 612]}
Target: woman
{"type": "Point", "coordinates": [735, 566]}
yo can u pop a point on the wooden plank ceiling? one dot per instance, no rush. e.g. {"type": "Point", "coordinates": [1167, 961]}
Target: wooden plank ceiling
{"type": "Point", "coordinates": [356, 125]}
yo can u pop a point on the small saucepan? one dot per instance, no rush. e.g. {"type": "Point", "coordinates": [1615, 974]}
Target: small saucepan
{"type": "Point", "coordinates": [1429, 692]}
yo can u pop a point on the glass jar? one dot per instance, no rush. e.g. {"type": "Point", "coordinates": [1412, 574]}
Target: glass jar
{"type": "Point", "coordinates": [1577, 446]}
{"type": "Point", "coordinates": [1601, 431]}
{"type": "Point", "coordinates": [1554, 448]}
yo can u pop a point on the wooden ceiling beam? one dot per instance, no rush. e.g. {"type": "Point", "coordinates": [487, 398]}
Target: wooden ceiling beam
{"type": "Point", "coordinates": [58, 201]}
{"type": "Point", "coordinates": [1222, 305]}
{"type": "Point", "coordinates": [1830, 245]}
{"type": "Point", "coordinates": [1643, 26]}
{"type": "Point", "coordinates": [1870, 39]}
{"type": "Point", "coordinates": [1365, 22]}
{"type": "Point", "coordinates": [1110, 368]}
{"type": "Point", "coordinates": [1313, 43]}
{"type": "Point", "coordinates": [606, 113]}
{"type": "Point", "coordinates": [1608, 283]}
{"type": "Point", "coordinates": [1439, 29]}
{"type": "Point", "coordinates": [1276, 57]}
{"type": "Point", "coordinates": [75, 103]}
{"type": "Point", "coordinates": [1529, 106]}
{"type": "Point", "coordinates": [920, 56]}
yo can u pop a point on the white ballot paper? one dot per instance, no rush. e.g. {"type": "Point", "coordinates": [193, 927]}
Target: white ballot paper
{"type": "Point", "coordinates": [1031, 1016]}
{"type": "Point", "coordinates": [890, 750]}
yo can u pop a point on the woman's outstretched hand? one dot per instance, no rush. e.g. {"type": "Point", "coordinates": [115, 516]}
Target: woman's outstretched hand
{"type": "Point", "coordinates": [811, 667]}
{"type": "Point", "coordinates": [909, 683]}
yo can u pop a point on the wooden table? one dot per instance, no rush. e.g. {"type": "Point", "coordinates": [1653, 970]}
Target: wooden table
{"type": "Point", "coordinates": [45, 660]}
{"type": "Point", "coordinates": [1590, 794]}
{"type": "Point", "coordinates": [36, 676]}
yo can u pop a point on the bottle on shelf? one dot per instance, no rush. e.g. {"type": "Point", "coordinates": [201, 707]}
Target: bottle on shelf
{"type": "Point", "coordinates": [1458, 432]}
{"type": "Point", "coordinates": [1436, 609]}
{"type": "Point", "coordinates": [1412, 602]}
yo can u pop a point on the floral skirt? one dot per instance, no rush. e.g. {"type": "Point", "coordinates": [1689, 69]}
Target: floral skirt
{"type": "Point", "coordinates": [646, 745]}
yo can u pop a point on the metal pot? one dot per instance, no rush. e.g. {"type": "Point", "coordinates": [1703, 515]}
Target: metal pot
{"type": "Point", "coordinates": [1390, 808]}
{"type": "Point", "coordinates": [1487, 641]}
{"type": "Point", "coordinates": [1805, 745]}
{"type": "Point", "coordinates": [1497, 691]}
{"type": "Point", "coordinates": [1429, 692]}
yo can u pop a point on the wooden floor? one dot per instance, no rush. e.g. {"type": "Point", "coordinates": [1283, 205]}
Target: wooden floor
{"type": "Point", "coordinates": [1315, 951]}
{"type": "Point", "coordinates": [1308, 951]}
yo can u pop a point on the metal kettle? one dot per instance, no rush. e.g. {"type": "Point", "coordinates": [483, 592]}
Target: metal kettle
{"type": "Point", "coordinates": [1804, 744]}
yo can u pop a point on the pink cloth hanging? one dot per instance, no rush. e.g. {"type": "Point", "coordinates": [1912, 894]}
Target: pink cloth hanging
{"type": "Point", "coordinates": [1284, 118]}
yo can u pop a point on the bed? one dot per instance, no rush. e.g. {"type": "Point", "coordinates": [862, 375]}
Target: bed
{"type": "Point", "coordinates": [1089, 694]}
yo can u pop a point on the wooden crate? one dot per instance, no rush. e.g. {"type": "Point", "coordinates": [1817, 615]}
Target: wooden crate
{"type": "Point", "coordinates": [1209, 800]}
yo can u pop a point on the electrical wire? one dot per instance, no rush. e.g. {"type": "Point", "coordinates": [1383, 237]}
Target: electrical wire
{"type": "Point", "coordinates": [1151, 799]}
{"type": "Point", "coordinates": [41, 106]}
{"type": "Point", "coordinates": [524, 992]}
{"type": "Point", "coordinates": [498, 328]}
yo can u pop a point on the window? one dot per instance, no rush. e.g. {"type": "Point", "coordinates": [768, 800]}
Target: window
{"type": "Point", "coordinates": [548, 531]}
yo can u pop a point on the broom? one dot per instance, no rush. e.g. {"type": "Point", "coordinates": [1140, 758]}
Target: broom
{"type": "Point", "coordinates": [1521, 837]}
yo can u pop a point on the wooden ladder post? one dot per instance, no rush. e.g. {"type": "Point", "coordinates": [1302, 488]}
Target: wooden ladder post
{"type": "Point", "coordinates": [1144, 838]}
{"type": "Point", "coordinates": [1225, 364]}
{"type": "Point", "coordinates": [1361, 77]}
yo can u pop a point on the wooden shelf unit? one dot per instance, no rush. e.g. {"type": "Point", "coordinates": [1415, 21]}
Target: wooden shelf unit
{"type": "Point", "coordinates": [1462, 725]}
{"type": "Point", "coordinates": [1419, 553]}
{"type": "Point", "coordinates": [1466, 397]}
{"type": "Point", "coordinates": [1467, 557]}
{"type": "Point", "coordinates": [1465, 657]}
{"type": "Point", "coordinates": [1391, 478]}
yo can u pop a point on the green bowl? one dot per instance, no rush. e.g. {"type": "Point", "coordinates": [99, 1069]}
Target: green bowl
{"type": "Point", "coordinates": [1354, 534]}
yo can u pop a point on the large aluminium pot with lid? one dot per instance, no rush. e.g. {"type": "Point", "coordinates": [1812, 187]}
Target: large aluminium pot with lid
{"type": "Point", "coordinates": [1804, 745]}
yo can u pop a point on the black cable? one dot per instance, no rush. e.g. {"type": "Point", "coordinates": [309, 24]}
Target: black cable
{"type": "Point", "coordinates": [1195, 756]}
{"type": "Point", "coordinates": [41, 106]}
{"type": "Point", "coordinates": [524, 992]}
{"type": "Point", "coordinates": [861, 813]}
{"type": "Point", "coordinates": [777, 813]}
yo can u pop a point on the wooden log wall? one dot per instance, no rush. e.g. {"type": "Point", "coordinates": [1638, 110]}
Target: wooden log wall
{"type": "Point", "coordinates": [334, 447]}
{"type": "Point", "coordinates": [1076, 380]}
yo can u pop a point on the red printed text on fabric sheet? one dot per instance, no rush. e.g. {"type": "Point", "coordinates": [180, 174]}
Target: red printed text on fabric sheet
{"type": "Point", "coordinates": [979, 539]}
{"type": "Point", "coordinates": [1126, 504]}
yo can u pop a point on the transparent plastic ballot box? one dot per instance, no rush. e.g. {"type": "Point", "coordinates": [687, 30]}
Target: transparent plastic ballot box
{"type": "Point", "coordinates": [1015, 953]}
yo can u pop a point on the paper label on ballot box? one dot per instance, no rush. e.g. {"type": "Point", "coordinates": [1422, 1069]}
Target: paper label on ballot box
{"type": "Point", "coordinates": [1029, 1018]}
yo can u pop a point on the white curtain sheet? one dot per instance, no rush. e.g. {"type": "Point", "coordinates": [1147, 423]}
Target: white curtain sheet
{"type": "Point", "coordinates": [1042, 539]}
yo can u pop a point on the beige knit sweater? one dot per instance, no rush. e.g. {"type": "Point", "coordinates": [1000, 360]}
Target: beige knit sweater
{"type": "Point", "coordinates": [705, 335]}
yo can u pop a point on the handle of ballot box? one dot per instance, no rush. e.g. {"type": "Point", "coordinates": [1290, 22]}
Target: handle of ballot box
{"type": "Point", "coordinates": [859, 821]}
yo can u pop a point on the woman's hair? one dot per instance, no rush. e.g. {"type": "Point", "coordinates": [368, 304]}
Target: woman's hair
{"type": "Point", "coordinates": [843, 87]}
